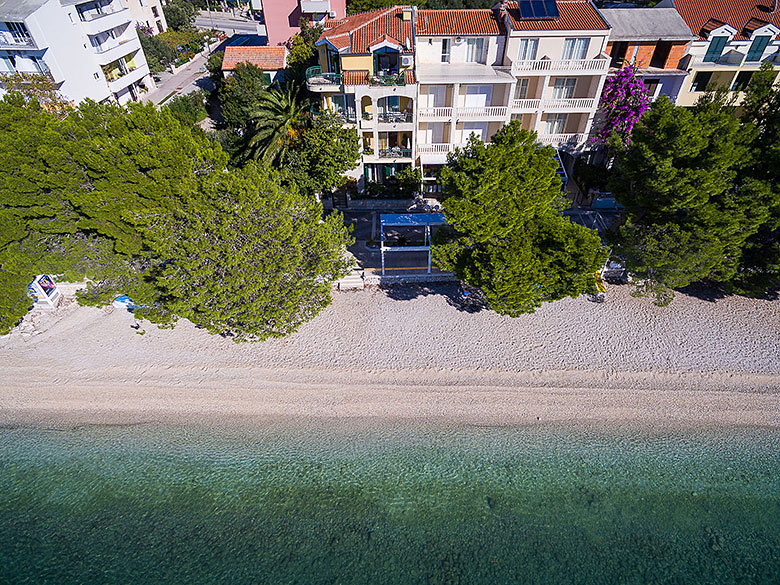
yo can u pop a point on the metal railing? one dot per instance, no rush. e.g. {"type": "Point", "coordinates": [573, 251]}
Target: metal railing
{"type": "Point", "coordinates": [396, 117]}
{"type": "Point", "coordinates": [315, 76]}
{"type": "Point", "coordinates": [394, 79]}
{"type": "Point", "coordinates": [543, 65]}
{"type": "Point", "coordinates": [10, 41]}
{"type": "Point", "coordinates": [395, 152]}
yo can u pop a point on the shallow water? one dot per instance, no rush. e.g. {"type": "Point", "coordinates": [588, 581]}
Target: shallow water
{"type": "Point", "coordinates": [395, 504]}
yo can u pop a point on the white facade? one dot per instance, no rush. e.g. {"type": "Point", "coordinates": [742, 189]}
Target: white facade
{"type": "Point", "coordinates": [147, 13]}
{"type": "Point", "coordinates": [89, 48]}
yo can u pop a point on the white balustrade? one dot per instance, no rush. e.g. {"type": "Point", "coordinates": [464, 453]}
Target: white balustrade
{"type": "Point", "coordinates": [545, 65]}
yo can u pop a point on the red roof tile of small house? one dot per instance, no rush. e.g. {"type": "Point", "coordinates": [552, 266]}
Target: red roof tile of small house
{"type": "Point", "coordinates": [266, 58]}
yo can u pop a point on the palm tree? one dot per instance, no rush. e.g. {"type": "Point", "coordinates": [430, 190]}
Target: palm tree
{"type": "Point", "coordinates": [280, 116]}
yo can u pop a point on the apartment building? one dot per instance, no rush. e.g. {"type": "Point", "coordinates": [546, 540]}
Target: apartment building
{"type": "Point", "coordinates": [148, 13]}
{"type": "Point", "coordinates": [419, 82]}
{"type": "Point", "coordinates": [732, 39]}
{"type": "Point", "coordinates": [655, 40]}
{"type": "Point", "coordinates": [89, 48]}
{"type": "Point", "coordinates": [281, 17]}
{"type": "Point", "coordinates": [366, 74]}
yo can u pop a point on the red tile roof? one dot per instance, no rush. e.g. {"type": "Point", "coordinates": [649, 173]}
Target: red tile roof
{"type": "Point", "coordinates": [736, 13]}
{"type": "Point", "coordinates": [574, 15]}
{"type": "Point", "coordinates": [360, 30]}
{"type": "Point", "coordinates": [266, 58]}
{"type": "Point", "coordinates": [457, 22]}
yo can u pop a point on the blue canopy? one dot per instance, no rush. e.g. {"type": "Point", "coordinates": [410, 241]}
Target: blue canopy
{"type": "Point", "coordinates": [411, 219]}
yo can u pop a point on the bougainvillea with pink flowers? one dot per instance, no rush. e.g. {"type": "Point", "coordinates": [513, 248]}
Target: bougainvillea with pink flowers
{"type": "Point", "coordinates": [623, 102]}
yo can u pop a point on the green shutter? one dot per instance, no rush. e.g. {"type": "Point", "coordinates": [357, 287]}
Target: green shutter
{"type": "Point", "coordinates": [716, 48]}
{"type": "Point", "coordinates": [757, 48]}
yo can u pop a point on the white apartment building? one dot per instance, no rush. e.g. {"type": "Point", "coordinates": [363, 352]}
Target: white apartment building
{"type": "Point", "coordinates": [419, 82]}
{"type": "Point", "coordinates": [89, 48]}
{"type": "Point", "coordinates": [148, 13]}
{"type": "Point", "coordinates": [479, 69]}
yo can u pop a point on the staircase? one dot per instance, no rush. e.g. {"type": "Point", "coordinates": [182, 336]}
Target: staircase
{"type": "Point", "coordinates": [340, 200]}
{"type": "Point", "coordinates": [352, 281]}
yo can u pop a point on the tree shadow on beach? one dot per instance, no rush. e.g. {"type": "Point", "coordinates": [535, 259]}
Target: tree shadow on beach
{"type": "Point", "coordinates": [451, 291]}
{"type": "Point", "coordinates": [705, 292]}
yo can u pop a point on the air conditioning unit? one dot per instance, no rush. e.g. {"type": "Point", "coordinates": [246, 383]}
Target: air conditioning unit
{"type": "Point", "coordinates": [407, 60]}
{"type": "Point", "coordinates": [332, 14]}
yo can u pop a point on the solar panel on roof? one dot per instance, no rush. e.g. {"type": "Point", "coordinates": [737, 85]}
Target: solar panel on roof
{"type": "Point", "coordinates": [538, 9]}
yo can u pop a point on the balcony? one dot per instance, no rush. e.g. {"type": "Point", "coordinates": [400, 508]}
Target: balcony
{"type": "Point", "coordinates": [482, 113]}
{"type": "Point", "coordinates": [16, 42]}
{"type": "Point", "coordinates": [95, 23]}
{"type": "Point", "coordinates": [575, 104]}
{"type": "Point", "coordinates": [131, 76]}
{"type": "Point", "coordinates": [315, 6]}
{"type": "Point", "coordinates": [44, 71]}
{"type": "Point", "coordinates": [434, 154]}
{"type": "Point", "coordinates": [526, 105]}
{"type": "Point", "coordinates": [544, 66]}
{"type": "Point", "coordinates": [396, 117]}
{"type": "Point", "coordinates": [435, 113]}
{"type": "Point", "coordinates": [109, 52]}
{"type": "Point", "coordinates": [387, 80]}
{"type": "Point", "coordinates": [395, 152]}
{"type": "Point", "coordinates": [565, 141]}
{"type": "Point", "coordinates": [316, 80]}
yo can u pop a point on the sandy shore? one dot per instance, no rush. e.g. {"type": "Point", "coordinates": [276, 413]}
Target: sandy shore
{"type": "Point", "coordinates": [409, 354]}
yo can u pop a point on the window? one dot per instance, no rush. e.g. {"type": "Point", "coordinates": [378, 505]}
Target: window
{"type": "Point", "coordinates": [40, 66]}
{"type": "Point", "coordinates": [661, 54]}
{"type": "Point", "coordinates": [619, 50]}
{"type": "Point", "coordinates": [563, 88]}
{"type": "Point", "coordinates": [651, 86]}
{"type": "Point", "coordinates": [9, 65]}
{"type": "Point", "coordinates": [521, 90]}
{"type": "Point", "coordinates": [474, 50]}
{"type": "Point", "coordinates": [701, 81]}
{"type": "Point", "coordinates": [344, 105]}
{"type": "Point", "coordinates": [445, 50]}
{"type": "Point", "coordinates": [575, 48]}
{"type": "Point", "coordinates": [527, 51]}
{"type": "Point", "coordinates": [741, 81]}
{"type": "Point", "coordinates": [556, 123]}
{"type": "Point", "coordinates": [715, 49]}
{"type": "Point", "coordinates": [155, 12]}
{"type": "Point", "coordinates": [757, 49]}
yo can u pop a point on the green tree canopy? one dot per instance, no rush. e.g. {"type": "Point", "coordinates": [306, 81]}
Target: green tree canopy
{"type": "Point", "coordinates": [321, 153]}
{"type": "Point", "coordinates": [678, 182]}
{"type": "Point", "coordinates": [159, 54]}
{"type": "Point", "coordinates": [179, 14]}
{"type": "Point", "coordinates": [303, 53]}
{"type": "Point", "coordinates": [239, 94]}
{"type": "Point", "coordinates": [138, 202]}
{"type": "Point", "coordinates": [502, 201]}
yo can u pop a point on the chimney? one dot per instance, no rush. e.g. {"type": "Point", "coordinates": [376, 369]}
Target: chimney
{"type": "Point", "coordinates": [406, 13]}
{"type": "Point", "coordinates": [502, 10]}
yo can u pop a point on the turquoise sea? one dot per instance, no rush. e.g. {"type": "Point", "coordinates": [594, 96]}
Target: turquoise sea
{"type": "Point", "coordinates": [388, 503]}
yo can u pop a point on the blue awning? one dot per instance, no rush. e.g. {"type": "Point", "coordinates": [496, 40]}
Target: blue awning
{"type": "Point", "coordinates": [411, 219]}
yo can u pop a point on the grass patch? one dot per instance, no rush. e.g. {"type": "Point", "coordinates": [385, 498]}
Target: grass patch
{"type": "Point", "coordinates": [167, 97]}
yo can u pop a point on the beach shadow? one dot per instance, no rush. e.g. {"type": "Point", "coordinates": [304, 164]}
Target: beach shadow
{"type": "Point", "coordinates": [705, 292]}
{"type": "Point", "coordinates": [451, 291]}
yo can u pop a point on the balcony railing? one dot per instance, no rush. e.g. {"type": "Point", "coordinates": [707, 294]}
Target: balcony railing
{"type": "Point", "coordinates": [32, 75]}
{"type": "Point", "coordinates": [396, 117]}
{"type": "Point", "coordinates": [441, 148]}
{"type": "Point", "coordinates": [562, 140]}
{"type": "Point", "coordinates": [395, 152]}
{"type": "Point", "coordinates": [545, 65]}
{"type": "Point", "coordinates": [119, 73]}
{"type": "Point", "coordinates": [432, 113]}
{"type": "Point", "coordinates": [569, 104]}
{"type": "Point", "coordinates": [12, 41]}
{"type": "Point", "coordinates": [526, 104]}
{"type": "Point", "coordinates": [315, 76]}
{"type": "Point", "coordinates": [395, 79]}
{"type": "Point", "coordinates": [482, 112]}
{"type": "Point", "coordinates": [471, 113]}
{"type": "Point", "coordinates": [105, 10]}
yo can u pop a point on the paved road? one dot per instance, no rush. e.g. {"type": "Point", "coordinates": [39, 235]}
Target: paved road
{"type": "Point", "coordinates": [226, 23]}
{"type": "Point", "coordinates": [193, 76]}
